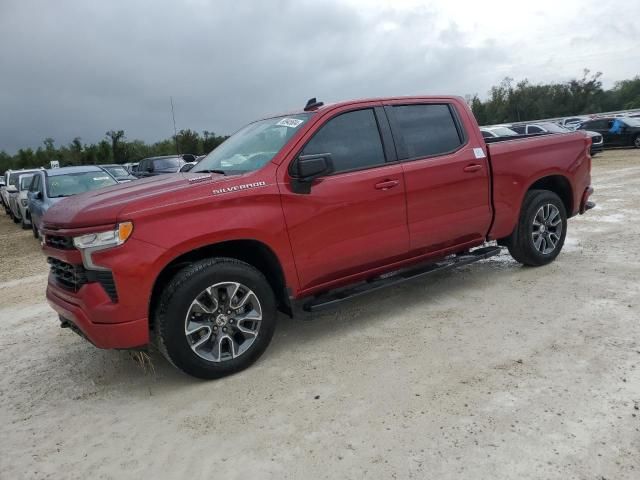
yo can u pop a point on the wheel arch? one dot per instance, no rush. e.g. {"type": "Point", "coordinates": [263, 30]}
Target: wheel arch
{"type": "Point", "coordinates": [253, 252]}
{"type": "Point", "coordinates": [558, 184]}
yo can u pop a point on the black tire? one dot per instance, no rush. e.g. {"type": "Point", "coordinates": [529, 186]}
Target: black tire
{"type": "Point", "coordinates": [521, 242]}
{"type": "Point", "coordinates": [636, 141]}
{"type": "Point", "coordinates": [14, 218]}
{"type": "Point", "coordinates": [24, 225]}
{"type": "Point", "coordinates": [176, 300]}
{"type": "Point", "coordinates": [34, 229]}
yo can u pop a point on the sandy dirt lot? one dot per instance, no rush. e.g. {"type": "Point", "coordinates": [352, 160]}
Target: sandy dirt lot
{"type": "Point", "coordinates": [490, 371]}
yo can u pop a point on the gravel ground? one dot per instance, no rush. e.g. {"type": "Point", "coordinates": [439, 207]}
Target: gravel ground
{"type": "Point", "coordinates": [490, 371]}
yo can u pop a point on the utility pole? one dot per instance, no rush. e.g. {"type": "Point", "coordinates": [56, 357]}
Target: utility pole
{"type": "Point", "coordinates": [175, 131]}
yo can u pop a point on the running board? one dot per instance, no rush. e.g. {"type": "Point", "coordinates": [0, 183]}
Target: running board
{"type": "Point", "coordinates": [328, 300]}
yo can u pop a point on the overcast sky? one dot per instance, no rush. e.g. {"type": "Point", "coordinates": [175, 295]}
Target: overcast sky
{"type": "Point", "coordinates": [79, 67]}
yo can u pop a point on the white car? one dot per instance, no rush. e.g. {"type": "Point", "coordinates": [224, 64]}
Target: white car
{"type": "Point", "coordinates": [24, 182]}
{"type": "Point", "coordinates": [497, 132]}
{"type": "Point", "coordinates": [10, 192]}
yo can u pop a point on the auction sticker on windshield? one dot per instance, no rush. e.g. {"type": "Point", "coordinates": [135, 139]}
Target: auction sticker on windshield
{"type": "Point", "coordinates": [289, 122]}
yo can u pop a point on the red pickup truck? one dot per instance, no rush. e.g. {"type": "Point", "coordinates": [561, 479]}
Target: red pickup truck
{"type": "Point", "coordinates": [298, 212]}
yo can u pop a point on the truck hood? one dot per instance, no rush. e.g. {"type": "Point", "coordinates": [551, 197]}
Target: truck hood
{"type": "Point", "coordinates": [101, 207]}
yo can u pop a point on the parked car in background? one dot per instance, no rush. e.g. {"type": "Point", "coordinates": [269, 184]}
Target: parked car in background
{"type": "Point", "coordinates": [551, 127]}
{"type": "Point", "coordinates": [152, 166]}
{"type": "Point", "coordinates": [50, 186]}
{"type": "Point", "coordinates": [11, 192]}
{"type": "Point", "coordinates": [572, 123]}
{"type": "Point", "coordinates": [3, 185]}
{"type": "Point", "coordinates": [616, 131]}
{"type": "Point", "coordinates": [119, 172]}
{"type": "Point", "coordinates": [131, 167]}
{"type": "Point", "coordinates": [497, 132]}
{"type": "Point", "coordinates": [18, 202]}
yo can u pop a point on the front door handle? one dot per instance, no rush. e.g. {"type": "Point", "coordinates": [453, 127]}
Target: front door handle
{"type": "Point", "coordinates": [387, 184]}
{"type": "Point", "coordinates": [474, 167]}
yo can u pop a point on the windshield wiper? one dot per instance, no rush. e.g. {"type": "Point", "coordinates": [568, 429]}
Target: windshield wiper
{"type": "Point", "coordinates": [222, 172]}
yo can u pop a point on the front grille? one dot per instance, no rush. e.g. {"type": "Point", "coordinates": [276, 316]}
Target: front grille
{"type": "Point", "coordinates": [60, 242]}
{"type": "Point", "coordinates": [104, 278]}
{"type": "Point", "coordinates": [70, 277]}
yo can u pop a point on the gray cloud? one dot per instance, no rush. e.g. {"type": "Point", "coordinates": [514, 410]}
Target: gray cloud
{"type": "Point", "coordinates": [76, 68]}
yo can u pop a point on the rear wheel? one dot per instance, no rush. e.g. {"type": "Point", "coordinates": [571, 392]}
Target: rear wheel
{"type": "Point", "coordinates": [636, 141]}
{"type": "Point", "coordinates": [215, 317]}
{"type": "Point", "coordinates": [539, 236]}
{"type": "Point", "coordinates": [34, 229]}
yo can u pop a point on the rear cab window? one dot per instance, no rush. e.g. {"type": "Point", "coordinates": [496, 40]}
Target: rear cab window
{"type": "Point", "coordinates": [425, 130]}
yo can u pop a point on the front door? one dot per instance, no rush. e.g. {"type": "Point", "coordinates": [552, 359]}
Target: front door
{"type": "Point", "coordinates": [355, 219]}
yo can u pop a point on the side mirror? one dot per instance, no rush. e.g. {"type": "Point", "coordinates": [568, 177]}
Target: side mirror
{"type": "Point", "coordinates": [309, 167]}
{"type": "Point", "coordinates": [38, 195]}
{"type": "Point", "coordinates": [186, 167]}
{"type": "Point", "coordinates": [12, 189]}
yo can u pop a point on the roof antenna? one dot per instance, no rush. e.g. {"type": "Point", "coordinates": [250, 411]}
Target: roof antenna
{"type": "Point", "coordinates": [313, 104]}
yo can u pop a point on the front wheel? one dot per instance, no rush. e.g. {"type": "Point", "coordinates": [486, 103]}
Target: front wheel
{"type": "Point", "coordinates": [636, 141]}
{"type": "Point", "coordinates": [539, 235]}
{"type": "Point", "coordinates": [215, 317]}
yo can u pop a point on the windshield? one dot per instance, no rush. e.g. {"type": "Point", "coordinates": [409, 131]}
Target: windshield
{"type": "Point", "coordinates": [166, 163]}
{"type": "Point", "coordinates": [553, 127]}
{"type": "Point", "coordinates": [25, 182]}
{"type": "Point", "coordinates": [503, 131]}
{"type": "Point", "coordinates": [253, 146]}
{"type": "Point", "coordinates": [632, 122]}
{"type": "Point", "coordinates": [14, 179]}
{"type": "Point", "coordinates": [74, 183]}
{"type": "Point", "coordinates": [118, 172]}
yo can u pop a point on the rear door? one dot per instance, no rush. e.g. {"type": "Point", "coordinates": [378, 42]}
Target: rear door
{"type": "Point", "coordinates": [446, 176]}
{"type": "Point", "coordinates": [354, 219]}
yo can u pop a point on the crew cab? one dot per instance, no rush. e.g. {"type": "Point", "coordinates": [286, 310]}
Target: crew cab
{"type": "Point", "coordinates": [299, 212]}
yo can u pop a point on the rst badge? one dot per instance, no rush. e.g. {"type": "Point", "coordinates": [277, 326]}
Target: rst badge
{"type": "Point", "coordinates": [237, 188]}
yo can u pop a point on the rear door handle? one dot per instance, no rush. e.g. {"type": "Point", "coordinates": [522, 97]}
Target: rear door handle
{"type": "Point", "coordinates": [387, 184]}
{"type": "Point", "coordinates": [474, 167]}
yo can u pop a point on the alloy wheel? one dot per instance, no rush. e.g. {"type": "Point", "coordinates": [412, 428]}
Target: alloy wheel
{"type": "Point", "coordinates": [223, 321]}
{"type": "Point", "coordinates": [546, 229]}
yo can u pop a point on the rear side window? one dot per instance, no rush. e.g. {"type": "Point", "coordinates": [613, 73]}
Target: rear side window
{"type": "Point", "coordinates": [352, 139]}
{"type": "Point", "coordinates": [425, 130]}
{"type": "Point", "coordinates": [534, 129]}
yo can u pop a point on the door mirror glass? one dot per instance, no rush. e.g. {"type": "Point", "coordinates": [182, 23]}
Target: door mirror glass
{"type": "Point", "coordinates": [186, 167]}
{"type": "Point", "coordinates": [309, 167]}
{"type": "Point", "coordinates": [38, 195]}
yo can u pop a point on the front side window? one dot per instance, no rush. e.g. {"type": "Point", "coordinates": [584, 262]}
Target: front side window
{"type": "Point", "coordinates": [352, 139]}
{"type": "Point", "coordinates": [253, 146]}
{"type": "Point", "coordinates": [534, 129]}
{"type": "Point", "coordinates": [75, 183]}
{"type": "Point", "coordinates": [425, 130]}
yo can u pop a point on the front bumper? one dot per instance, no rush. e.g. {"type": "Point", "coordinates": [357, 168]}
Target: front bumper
{"type": "Point", "coordinates": [108, 318]}
{"type": "Point", "coordinates": [103, 335]}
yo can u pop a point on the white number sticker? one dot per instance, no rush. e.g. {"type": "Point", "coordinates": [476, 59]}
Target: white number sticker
{"type": "Point", "coordinates": [289, 122]}
{"type": "Point", "coordinates": [478, 152]}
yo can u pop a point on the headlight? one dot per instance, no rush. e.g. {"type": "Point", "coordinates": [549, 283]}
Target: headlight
{"type": "Point", "coordinates": [110, 238]}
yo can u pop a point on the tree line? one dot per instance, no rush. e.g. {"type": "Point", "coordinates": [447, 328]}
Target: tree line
{"type": "Point", "coordinates": [114, 148]}
{"type": "Point", "coordinates": [506, 102]}
{"type": "Point", "coordinates": [522, 101]}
